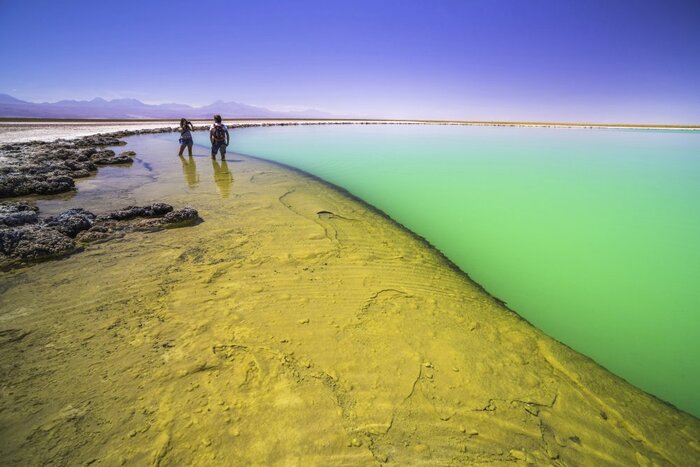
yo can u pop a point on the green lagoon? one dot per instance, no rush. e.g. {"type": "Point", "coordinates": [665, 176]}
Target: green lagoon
{"type": "Point", "coordinates": [592, 235]}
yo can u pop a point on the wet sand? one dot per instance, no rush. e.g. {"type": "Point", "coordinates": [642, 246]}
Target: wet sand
{"type": "Point", "coordinates": [296, 326]}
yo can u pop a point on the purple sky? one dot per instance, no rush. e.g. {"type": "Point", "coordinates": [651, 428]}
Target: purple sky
{"type": "Point", "coordinates": [588, 60]}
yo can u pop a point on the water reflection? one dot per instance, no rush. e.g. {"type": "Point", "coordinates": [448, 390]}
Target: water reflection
{"type": "Point", "coordinates": [222, 177]}
{"type": "Point", "coordinates": [189, 168]}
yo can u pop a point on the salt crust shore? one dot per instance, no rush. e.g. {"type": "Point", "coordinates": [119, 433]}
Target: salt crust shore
{"type": "Point", "coordinates": [299, 326]}
{"type": "Point", "coordinates": [22, 131]}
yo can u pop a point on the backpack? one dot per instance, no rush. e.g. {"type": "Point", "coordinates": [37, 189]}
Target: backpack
{"type": "Point", "coordinates": [219, 132]}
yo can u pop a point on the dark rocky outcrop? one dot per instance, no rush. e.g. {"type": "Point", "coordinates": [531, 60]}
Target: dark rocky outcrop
{"type": "Point", "coordinates": [108, 157]}
{"type": "Point", "coordinates": [24, 238]}
{"type": "Point", "coordinates": [14, 214]}
{"type": "Point", "coordinates": [99, 140]}
{"type": "Point", "coordinates": [181, 217]}
{"type": "Point", "coordinates": [33, 243]}
{"type": "Point", "coordinates": [15, 184]}
{"type": "Point", "coordinates": [71, 222]}
{"type": "Point", "coordinates": [45, 168]}
{"type": "Point", "coordinates": [131, 212]}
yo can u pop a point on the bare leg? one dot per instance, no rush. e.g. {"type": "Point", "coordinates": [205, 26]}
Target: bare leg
{"type": "Point", "coordinates": [182, 149]}
{"type": "Point", "coordinates": [223, 152]}
{"type": "Point", "coordinates": [189, 149]}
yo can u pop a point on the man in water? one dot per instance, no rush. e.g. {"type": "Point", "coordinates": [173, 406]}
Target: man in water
{"type": "Point", "coordinates": [218, 135]}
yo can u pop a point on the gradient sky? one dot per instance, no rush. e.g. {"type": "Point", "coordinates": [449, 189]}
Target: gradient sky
{"type": "Point", "coordinates": [554, 60]}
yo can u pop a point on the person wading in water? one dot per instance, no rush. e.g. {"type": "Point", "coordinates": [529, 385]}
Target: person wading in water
{"type": "Point", "coordinates": [186, 128]}
{"type": "Point", "coordinates": [219, 137]}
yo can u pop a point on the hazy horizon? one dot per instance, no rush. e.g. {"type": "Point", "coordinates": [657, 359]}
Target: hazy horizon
{"type": "Point", "coordinates": [304, 109]}
{"type": "Point", "coordinates": [588, 61]}
{"type": "Point", "coordinates": [144, 101]}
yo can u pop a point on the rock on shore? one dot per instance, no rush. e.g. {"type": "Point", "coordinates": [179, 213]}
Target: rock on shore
{"type": "Point", "coordinates": [49, 168]}
{"type": "Point", "coordinates": [12, 214]}
{"type": "Point", "coordinates": [24, 238]}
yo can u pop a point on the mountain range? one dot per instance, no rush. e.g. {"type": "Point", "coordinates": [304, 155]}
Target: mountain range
{"type": "Point", "coordinates": [132, 108]}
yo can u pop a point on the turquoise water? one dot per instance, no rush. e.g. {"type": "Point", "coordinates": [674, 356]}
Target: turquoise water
{"type": "Point", "coordinates": [591, 235]}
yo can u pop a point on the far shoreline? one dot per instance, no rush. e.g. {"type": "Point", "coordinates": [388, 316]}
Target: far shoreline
{"type": "Point", "coordinates": [641, 126]}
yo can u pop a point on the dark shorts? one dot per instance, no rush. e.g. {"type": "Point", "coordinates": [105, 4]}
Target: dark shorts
{"type": "Point", "coordinates": [186, 141]}
{"type": "Point", "coordinates": [217, 146]}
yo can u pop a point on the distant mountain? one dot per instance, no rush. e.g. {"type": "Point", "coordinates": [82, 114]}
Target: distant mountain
{"type": "Point", "coordinates": [7, 99]}
{"type": "Point", "coordinates": [133, 108]}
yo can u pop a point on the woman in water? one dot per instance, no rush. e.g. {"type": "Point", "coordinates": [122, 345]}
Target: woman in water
{"type": "Point", "coordinates": [185, 136]}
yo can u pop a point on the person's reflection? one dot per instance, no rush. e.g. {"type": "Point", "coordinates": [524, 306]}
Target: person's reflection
{"type": "Point", "coordinates": [189, 168]}
{"type": "Point", "coordinates": [222, 177]}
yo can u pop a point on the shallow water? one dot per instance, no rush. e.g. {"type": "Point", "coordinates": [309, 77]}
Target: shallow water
{"type": "Point", "coordinates": [591, 235]}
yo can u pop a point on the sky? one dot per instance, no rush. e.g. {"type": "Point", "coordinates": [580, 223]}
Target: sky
{"type": "Point", "coordinates": [537, 60]}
